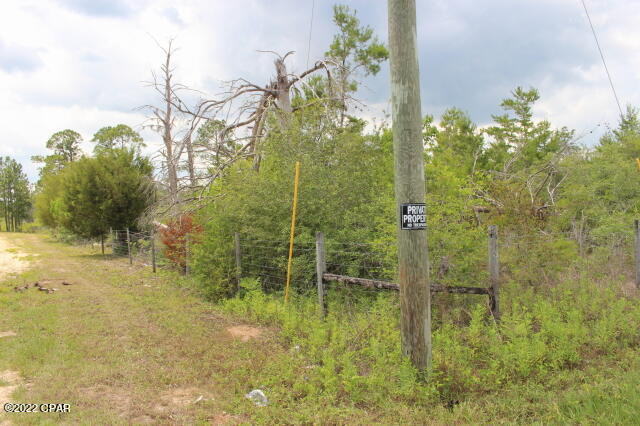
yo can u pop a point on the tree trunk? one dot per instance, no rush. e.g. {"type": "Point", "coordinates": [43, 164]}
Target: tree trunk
{"type": "Point", "coordinates": [167, 137]}
{"type": "Point", "coordinates": [282, 87]}
{"type": "Point", "coordinates": [190, 161]}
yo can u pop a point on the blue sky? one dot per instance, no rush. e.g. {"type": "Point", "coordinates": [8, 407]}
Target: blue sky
{"type": "Point", "coordinates": [81, 64]}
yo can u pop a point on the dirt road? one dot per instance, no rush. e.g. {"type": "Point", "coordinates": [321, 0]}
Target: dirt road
{"type": "Point", "coordinates": [120, 345]}
{"type": "Point", "coordinates": [11, 259]}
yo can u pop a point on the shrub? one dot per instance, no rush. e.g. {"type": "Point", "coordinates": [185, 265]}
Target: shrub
{"type": "Point", "coordinates": [174, 238]}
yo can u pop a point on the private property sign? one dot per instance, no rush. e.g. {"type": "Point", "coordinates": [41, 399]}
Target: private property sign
{"type": "Point", "coordinates": [413, 216]}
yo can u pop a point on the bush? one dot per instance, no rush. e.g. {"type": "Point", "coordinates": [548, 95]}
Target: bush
{"type": "Point", "coordinates": [354, 356]}
{"type": "Point", "coordinates": [174, 239]}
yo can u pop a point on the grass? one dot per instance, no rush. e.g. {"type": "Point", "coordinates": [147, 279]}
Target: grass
{"type": "Point", "coordinates": [122, 346]}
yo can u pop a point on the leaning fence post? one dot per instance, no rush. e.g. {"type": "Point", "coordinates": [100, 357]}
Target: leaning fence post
{"type": "Point", "coordinates": [636, 226]}
{"type": "Point", "coordinates": [236, 241]}
{"type": "Point", "coordinates": [129, 247]}
{"type": "Point", "coordinates": [321, 268]}
{"type": "Point", "coordinates": [494, 271]}
{"type": "Point", "coordinates": [153, 251]}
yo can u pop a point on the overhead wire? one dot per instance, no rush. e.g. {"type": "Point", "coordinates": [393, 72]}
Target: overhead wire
{"type": "Point", "coordinates": [313, 3]}
{"type": "Point", "coordinates": [615, 95]}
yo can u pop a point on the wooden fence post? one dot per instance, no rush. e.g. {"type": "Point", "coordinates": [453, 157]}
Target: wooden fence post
{"type": "Point", "coordinates": [636, 226]}
{"type": "Point", "coordinates": [186, 254]}
{"type": "Point", "coordinates": [236, 240]}
{"type": "Point", "coordinates": [494, 271]}
{"type": "Point", "coordinates": [153, 251]}
{"type": "Point", "coordinates": [129, 247]}
{"type": "Point", "coordinates": [321, 268]}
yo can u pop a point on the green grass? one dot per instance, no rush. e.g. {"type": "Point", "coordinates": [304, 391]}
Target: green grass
{"type": "Point", "coordinates": [527, 369]}
{"type": "Point", "coordinates": [123, 346]}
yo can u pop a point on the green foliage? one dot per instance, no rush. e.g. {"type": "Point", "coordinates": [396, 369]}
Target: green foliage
{"type": "Point", "coordinates": [94, 194]}
{"type": "Point", "coordinates": [354, 356]}
{"type": "Point", "coordinates": [600, 198]}
{"type": "Point", "coordinates": [355, 46]}
{"type": "Point", "coordinates": [344, 185]}
{"type": "Point", "coordinates": [49, 205]}
{"type": "Point", "coordinates": [345, 359]}
{"type": "Point", "coordinates": [66, 149]}
{"type": "Point", "coordinates": [120, 136]}
{"type": "Point", "coordinates": [354, 50]}
{"type": "Point", "coordinates": [15, 195]}
{"type": "Point", "coordinates": [66, 144]}
{"type": "Point", "coordinates": [214, 145]}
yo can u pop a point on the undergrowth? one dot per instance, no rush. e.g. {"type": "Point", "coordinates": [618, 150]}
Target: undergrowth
{"type": "Point", "coordinates": [354, 355]}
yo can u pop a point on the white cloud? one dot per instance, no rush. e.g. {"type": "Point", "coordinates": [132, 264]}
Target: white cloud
{"type": "Point", "coordinates": [80, 63]}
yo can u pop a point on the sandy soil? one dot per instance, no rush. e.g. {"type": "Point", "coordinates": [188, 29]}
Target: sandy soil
{"type": "Point", "coordinates": [244, 332]}
{"type": "Point", "coordinates": [11, 260]}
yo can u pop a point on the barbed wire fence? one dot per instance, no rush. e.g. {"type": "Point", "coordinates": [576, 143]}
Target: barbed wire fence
{"type": "Point", "coordinates": [363, 269]}
{"type": "Point", "coordinates": [348, 272]}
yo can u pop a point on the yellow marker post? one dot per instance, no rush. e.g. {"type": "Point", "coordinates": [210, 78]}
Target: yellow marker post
{"type": "Point", "coordinates": [638, 163]}
{"type": "Point", "coordinates": [293, 230]}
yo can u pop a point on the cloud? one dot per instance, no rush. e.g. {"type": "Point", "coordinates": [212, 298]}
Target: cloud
{"type": "Point", "coordinates": [14, 58]}
{"type": "Point", "coordinates": [100, 8]}
{"type": "Point", "coordinates": [81, 64]}
{"type": "Point", "coordinates": [174, 16]}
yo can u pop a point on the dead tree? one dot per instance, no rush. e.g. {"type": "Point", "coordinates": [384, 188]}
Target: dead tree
{"type": "Point", "coordinates": [254, 104]}
{"type": "Point", "coordinates": [163, 119]}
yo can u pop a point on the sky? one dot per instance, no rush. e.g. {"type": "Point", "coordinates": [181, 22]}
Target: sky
{"type": "Point", "coordinates": [82, 64]}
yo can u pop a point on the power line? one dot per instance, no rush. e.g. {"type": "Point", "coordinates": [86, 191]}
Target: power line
{"type": "Point", "coordinates": [313, 3]}
{"type": "Point", "coordinates": [615, 95]}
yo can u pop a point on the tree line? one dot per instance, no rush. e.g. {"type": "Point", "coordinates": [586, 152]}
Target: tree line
{"type": "Point", "coordinates": [227, 162]}
{"type": "Point", "coordinates": [15, 194]}
{"type": "Point", "coordinates": [89, 195]}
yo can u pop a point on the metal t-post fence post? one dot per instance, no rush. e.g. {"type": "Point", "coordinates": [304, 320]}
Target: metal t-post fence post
{"type": "Point", "coordinates": [321, 268]}
{"type": "Point", "coordinates": [186, 254]}
{"type": "Point", "coordinates": [494, 271]}
{"type": "Point", "coordinates": [153, 251]}
{"type": "Point", "coordinates": [236, 240]}
{"type": "Point", "coordinates": [129, 247]}
{"type": "Point", "coordinates": [636, 227]}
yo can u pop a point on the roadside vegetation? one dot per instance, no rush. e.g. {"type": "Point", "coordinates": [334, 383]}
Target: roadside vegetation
{"type": "Point", "coordinates": [564, 351]}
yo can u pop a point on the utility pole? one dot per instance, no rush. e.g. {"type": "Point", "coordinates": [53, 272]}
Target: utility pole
{"type": "Point", "coordinates": [413, 256]}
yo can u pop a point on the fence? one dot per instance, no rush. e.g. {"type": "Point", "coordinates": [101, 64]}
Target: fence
{"type": "Point", "coordinates": [365, 265]}
{"type": "Point", "coordinates": [533, 258]}
{"type": "Point", "coordinates": [319, 263]}
{"type": "Point", "coordinates": [139, 247]}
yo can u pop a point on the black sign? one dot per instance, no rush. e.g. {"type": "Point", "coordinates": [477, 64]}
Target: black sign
{"type": "Point", "coordinates": [413, 216]}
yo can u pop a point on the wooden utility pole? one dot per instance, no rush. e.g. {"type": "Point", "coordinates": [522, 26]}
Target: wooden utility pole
{"type": "Point", "coordinates": [413, 259]}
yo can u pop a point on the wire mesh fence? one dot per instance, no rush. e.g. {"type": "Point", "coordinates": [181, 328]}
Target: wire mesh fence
{"type": "Point", "coordinates": [139, 246]}
{"type": "Point", "coordinates": [534, 258]}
